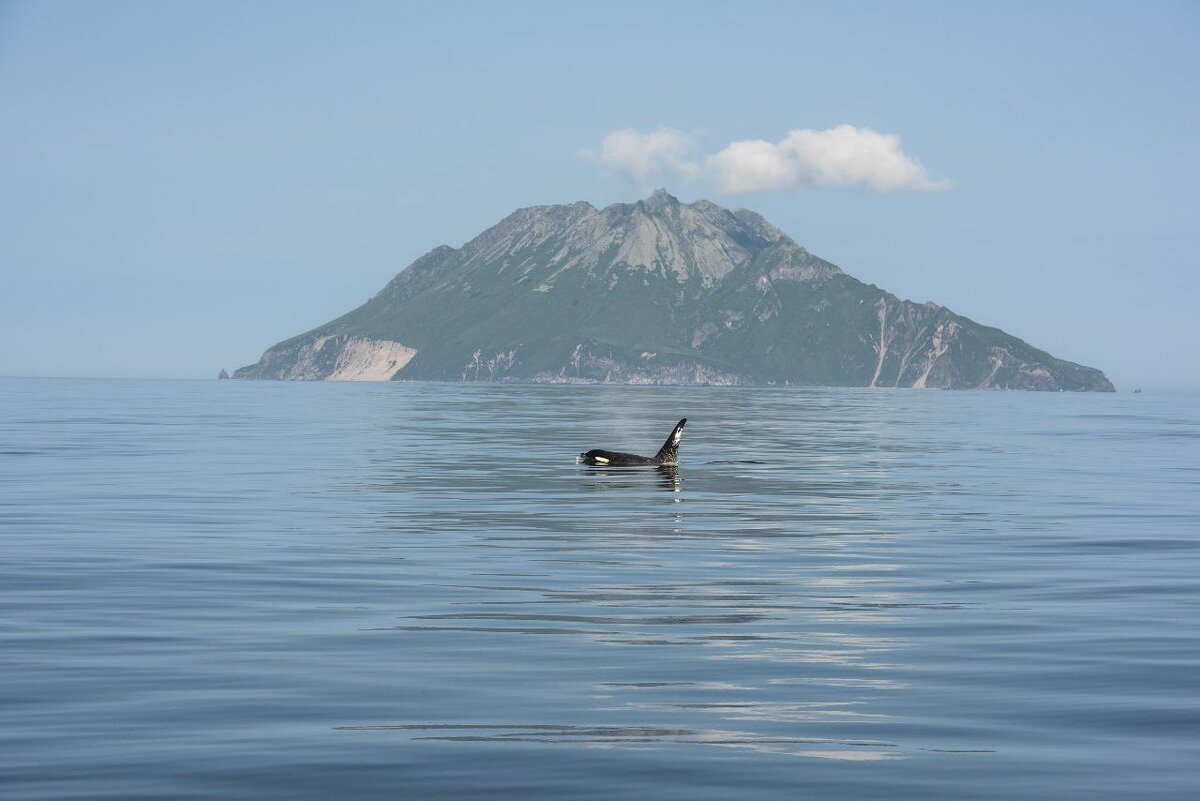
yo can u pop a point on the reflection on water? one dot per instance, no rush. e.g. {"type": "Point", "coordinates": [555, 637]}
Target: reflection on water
{"type": "Point", "coordinates": [766, 566]}
{"type": "Point", "coordinates": [243, 589]}
{"type": "Point", "coordinates": [626, 736]}
{"type": "Point", "coordinates": [624, 478]}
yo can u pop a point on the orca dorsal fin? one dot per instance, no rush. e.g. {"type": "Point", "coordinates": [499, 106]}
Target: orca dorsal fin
{"type": "Point", "coordinates": [668, 454]}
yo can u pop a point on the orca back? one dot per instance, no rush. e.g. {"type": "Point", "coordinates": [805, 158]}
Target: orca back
{"type": "Point", "coordinates": [667, 456]}
{"type": "Point", "coordinates": [603, 458]}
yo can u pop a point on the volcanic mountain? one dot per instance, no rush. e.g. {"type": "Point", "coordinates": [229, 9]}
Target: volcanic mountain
{"type": "Point", "coordinates": [656, 291]}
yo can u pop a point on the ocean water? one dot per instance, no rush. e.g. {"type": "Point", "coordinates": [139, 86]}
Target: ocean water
{"type": "Point", "coordinates": [292, 591]}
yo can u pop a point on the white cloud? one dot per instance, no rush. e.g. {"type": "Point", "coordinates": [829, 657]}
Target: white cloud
{"type": "Point", "coordinates": [644, 156]}
{"type": "Point", "coordinates": [841, 156]}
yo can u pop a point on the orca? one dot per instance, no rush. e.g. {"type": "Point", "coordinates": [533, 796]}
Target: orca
{"type": "Point", "coordinates": [667, 456]}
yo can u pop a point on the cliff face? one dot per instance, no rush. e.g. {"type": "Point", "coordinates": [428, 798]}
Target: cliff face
{"type": "Point", "coordinates": [655, 292]}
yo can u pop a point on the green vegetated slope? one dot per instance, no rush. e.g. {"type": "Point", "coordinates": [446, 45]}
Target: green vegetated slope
{"type": "Point", "coordinates": [656, 291]}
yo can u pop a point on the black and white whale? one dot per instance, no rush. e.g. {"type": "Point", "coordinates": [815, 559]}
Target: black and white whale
{"type": "Point", "coordinates": [667, 456]}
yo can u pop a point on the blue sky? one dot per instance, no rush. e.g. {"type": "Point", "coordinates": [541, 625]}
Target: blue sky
{"type": "Point", "coordinates": [183, 184]}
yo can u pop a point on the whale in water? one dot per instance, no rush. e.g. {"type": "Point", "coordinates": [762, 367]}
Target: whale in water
{"type": "Point", "coordinates": [667, 456]}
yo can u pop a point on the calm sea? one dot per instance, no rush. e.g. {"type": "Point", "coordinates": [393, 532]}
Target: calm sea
{"type": "Point", "coordinates": [411, 591]}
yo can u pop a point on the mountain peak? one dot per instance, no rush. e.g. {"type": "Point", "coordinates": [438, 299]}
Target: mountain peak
{"type": "Point", "coordinates": [660, 199]}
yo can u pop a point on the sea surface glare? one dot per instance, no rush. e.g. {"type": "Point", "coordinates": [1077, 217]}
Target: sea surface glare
{"type": "Point", "coordinates": [411, 591]}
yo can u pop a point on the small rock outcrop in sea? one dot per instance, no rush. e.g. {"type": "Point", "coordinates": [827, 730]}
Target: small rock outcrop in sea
{"type": "Point", "coordinates": [655, 292]}
{"type": "Point", "coordinates": [222, 374]}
